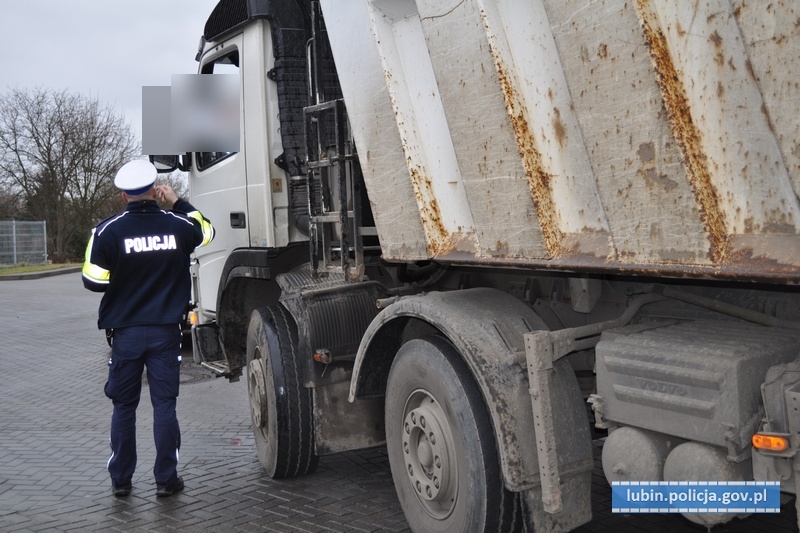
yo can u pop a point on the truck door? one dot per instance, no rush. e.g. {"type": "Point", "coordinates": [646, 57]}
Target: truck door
{"type": "Point", "coordinates": [219, 190]}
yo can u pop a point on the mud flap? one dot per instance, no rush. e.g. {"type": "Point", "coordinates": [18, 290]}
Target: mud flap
{"type": "Point", "coordinates": [562, 500]}
{"type": "Point", "coordinates": [576, 504]}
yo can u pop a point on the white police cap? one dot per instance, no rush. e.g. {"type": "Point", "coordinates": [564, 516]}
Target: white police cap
{"type": "Point", "coordinates": [136, 177]}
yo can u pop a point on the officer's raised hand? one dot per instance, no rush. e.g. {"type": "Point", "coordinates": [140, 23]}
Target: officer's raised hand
{"type": "Point", "coordinates": [166, 194]}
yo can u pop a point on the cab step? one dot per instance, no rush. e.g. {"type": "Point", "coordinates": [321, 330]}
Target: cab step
{"type": "Point", "coordinates": [221, 369]}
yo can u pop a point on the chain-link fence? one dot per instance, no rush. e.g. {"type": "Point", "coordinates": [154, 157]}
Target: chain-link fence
{"type": "Point", "coordinates": [23, 242]}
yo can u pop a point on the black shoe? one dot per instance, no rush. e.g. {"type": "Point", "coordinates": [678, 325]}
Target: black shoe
{"type": "Point", "coordinates": [170, 489]}
{"type": "Point", "coordinates": [122, 490]}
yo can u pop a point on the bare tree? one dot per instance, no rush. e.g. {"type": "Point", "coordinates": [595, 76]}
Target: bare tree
{"type": "Point", "coordinates": [60, 151]}
{"type": "Point", "coordinates": [10, 202]}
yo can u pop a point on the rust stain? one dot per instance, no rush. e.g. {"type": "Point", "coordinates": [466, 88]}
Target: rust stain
{"type": "Point", "coordinates": [436, 233]}
{"type": "Point", "coordinates": [742, 267]}
{"type": "Point", "coordinates": [716, 38]}
{"type": "Point", "coordinates": [749, 66]}
{"type": "Point", "coordinates": [584, 54]}
{"type": "Point", "coordinates": [438, 237]}
{"type": "Point", "coordinates": [686, 134]}
{"type": "Point", "coordinates": [767, 117]}
{"type": "Point", "coordinates": [501, 249]}
{"type": "Point", "coordinates": [538, 179]}
{"type": "Point", "coordinates": [602, 51]}
{"type": "Point", "coordinates": [559, 128]}
{"type": "Point", "coordinates": [745, 260]}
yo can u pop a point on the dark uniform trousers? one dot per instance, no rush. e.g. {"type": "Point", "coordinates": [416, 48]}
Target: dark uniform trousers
{"type": "Point", "coordinates": [157, 348]}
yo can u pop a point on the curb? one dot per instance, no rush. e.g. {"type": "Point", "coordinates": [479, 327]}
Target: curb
{"type": "Point", "coordinates": [41, 274]}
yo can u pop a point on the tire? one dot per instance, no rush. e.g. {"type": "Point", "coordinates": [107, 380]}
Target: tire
{"type": "Point", "coordinates": [441, 445]}
{"type": "Point", "coordinates": [280, 406]}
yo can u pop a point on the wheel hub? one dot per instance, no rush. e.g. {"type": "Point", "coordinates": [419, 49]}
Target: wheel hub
{"type": "Point", "coordinates": [430, 462]}
{"type": "Point", "coordinates": [257, 392]}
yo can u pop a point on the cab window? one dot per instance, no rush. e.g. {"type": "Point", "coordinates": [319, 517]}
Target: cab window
{"type": "Point", "coordinates": [227, 64]}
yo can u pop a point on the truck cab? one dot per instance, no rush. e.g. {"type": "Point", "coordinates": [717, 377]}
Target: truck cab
{"type": "Point", "coordinates": [247, 193]}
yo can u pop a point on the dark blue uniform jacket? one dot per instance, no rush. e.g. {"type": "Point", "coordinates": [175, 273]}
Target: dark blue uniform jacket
{"type": "Point", "coordinates": [140, 260]}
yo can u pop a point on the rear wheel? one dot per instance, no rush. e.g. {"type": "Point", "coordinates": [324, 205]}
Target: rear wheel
{"type": "Point", "coordinates": [441, 445]}
{"type": "Point", "coordinates": [280, 407]}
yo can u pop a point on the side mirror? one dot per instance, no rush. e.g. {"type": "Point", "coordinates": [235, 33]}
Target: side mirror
{"type": "Point", "coordinates": [164, 163]}
{"type": "Point", "coordinates": [169, 163]}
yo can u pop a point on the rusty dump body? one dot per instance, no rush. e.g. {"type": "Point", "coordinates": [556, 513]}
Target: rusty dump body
{"type": "Point", "coordinates": [646, 136]}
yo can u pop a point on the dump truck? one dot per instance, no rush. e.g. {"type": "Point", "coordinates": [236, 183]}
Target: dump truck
{"type": "Point", "coordinates": [484, 232]}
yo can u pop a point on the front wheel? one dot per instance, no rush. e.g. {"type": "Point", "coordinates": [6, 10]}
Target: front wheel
{"type": "Point", "coordinates": [441, 445]}
{"type": "Point", "coordinates": [280, 406]}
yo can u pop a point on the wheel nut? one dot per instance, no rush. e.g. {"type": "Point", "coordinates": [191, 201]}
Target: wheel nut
{"type": "Point", "coordinates": [436, 482]}
{"type": "Point", "coordinates": [413, 418]}
{"type": "Point", "coordinates": [405, 447]}
{"type": "Point", "coordinates": [408, 428]}
{"type": "Point", "coordinates": [410, 470]}
{"type": "Point", "coordinates": [422, 421]}
{"type": "Point", "coordinates": [428, 491]}
{"type": "Point", "coordinates": [437, 462]}
{"type": "Point", "coordinates": [432, 438]}
{"type": "Point", "coordinates": [419, 487]}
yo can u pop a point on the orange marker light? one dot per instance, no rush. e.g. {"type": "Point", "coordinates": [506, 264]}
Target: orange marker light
{"type": "Point", "coordinates": [770, 443]}
{"type": "Point", "coordinates": [323, 356]}
{"type": "Point", "coordinates": [193, 318]}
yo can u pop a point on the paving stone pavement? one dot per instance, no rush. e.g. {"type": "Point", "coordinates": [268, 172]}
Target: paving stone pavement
{"type": "Point", "coordinates": [54, 423]}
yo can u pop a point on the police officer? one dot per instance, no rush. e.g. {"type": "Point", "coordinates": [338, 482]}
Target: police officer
{"type": "Point", "coordinates": [139, 259]}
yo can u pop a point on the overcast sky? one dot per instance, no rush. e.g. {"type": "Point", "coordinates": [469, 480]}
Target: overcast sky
{"type": "Point", "coordinates": [100, 48]}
